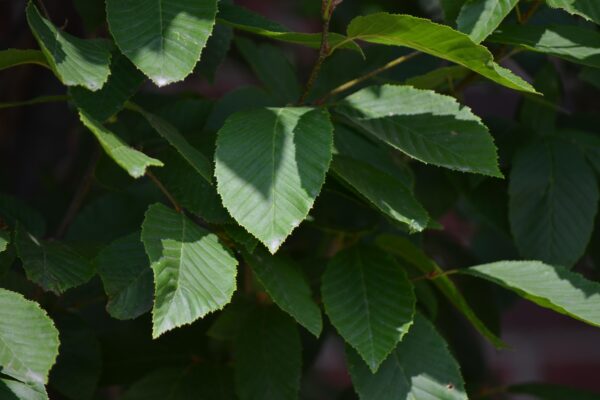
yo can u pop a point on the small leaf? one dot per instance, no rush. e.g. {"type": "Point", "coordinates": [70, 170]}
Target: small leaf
{"type": "Point", "coordinates": [287, 286]}
{"type": "Point", "coordinates": [411, 254]}
{"type": "Point", "coordinates": [270, 166]}
{"type": "Point", "coordinates": [434, 39]}
{"type": "Point", "coordinates": [54, 266]}
{"type": "Point", "coordinates": [193, 156]}
{"type": "Point", "coordinates": [193, 273]}
{"type": "Point", "coordinates": [76, 62]}
{"type": "Point", "coordinates": [123, 82]}
{"type": "Point", "coordinates": [369, 300]}
{"type": "Point", "coordinates": [13, 57]}
{"type": "Point", "coordinates": [479, 18]}
{"type": "Point", "coordinates": [28, 339]}
{"type": "Point", "coordinates": [427, 126]}
{"type": "Point", "coordinates": [553, 200]}
{"type": "Point", "coordinates": [573, 43]}
{"type": "Point", "coordinates": [133, 161]}
{"type": "Point", "coordinates": [125, 272]}
{"type": "Point", "coordinates": [4, 240]}
{"type": "Point", "coordinates": [552, 287]}
{"type": "Point", "coordinates": [587, 9]}
{"type": "Point", "coordinates": [421, 367]}
{"type": "Point", "coordinates": [166, 37]}
{"type": "Point", "coordinates": [268, 357]}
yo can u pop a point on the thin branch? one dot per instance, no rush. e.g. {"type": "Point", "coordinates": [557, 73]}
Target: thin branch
{"type": "Point", "coordinates": [163, 189]}
{"type": "Point", "coordinates": [434, 275]}
{"type": "Point", "coordinates": [80, 195]}
{"type": "Point", "coordinates": [327, 8]}
{"type": "Point", "coordinates": [354, 82]}
{"type": "Point", "coordinates": [36, 100]}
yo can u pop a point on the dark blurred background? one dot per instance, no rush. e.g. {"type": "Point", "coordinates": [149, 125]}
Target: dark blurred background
{"type": "Point", "coordinates": [44, 152]}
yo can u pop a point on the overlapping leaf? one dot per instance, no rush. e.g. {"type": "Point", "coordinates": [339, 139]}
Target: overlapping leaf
{"type": "Point", "coordinates": [287, 286]}
{"type": "Point", "coordinates": [76, 62]}
{"type": "Point", "coordinates": [421, 367]}
{"type": "Point", "coordinates": [435, 39]}
{"type": "Point", "coordinates": [164, 38]}
{"type": "Point", "coordinates": [553, 200]}
{"type": "Point", "coordinates": [270, 166]}
{"type": "Point", "coordinates": [13, 57]}
{"type": "Point", "coordinates": [479, 18]}
{"type": "Point", "coordinates": [369, 300]}
{"type": "Point", "coordinates": [15, 390]}
{"type": "Point", "coordinates": [427, 126]}
{"type": "Point", "coordinates": [588, 9]}
{"type": "Point", "coordinates": [573, 43]}
{"type": "Point", "coordinates": [133, 161]}
{"type": "Point", "coordinates": [54, 266]}
{"type": "Point", "coordinates": [553, 287]}
{"type": "Point", "coordinates": [28, 339]}
{"type": "Point", "coordinates": [125, 272]}
{"type": "Point", "coordinates": [193, 273]}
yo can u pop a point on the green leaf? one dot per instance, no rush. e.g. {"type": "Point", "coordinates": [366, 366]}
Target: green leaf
{"type": "Point", "coordinates": [133, 161]}
{"type": "Point", "coordinates": [451, 10]}
{"type": "Point", "coordinates": [434, 39]}
{"type": "Point", "coordinates": [216, 50]}
{"type": "Point", "coordinates": [193, 273]}
{"type": "Point", "coordinates": [76, 62]}
{"type": "Point", "coordinates": [245, 20]}
{"type": "Point", "coordinates": [589, 143]}
{"type": "Point", "coordinates": [479, 18]}
{"type": "Point", "coordinates": [287, 286]}
{"type": "Point", "coordinates": [548, 391]}
{"type": "Point", "coordinates": [14, 390]}
{"type": "Point", "coordinates": [54, 266]}
{"type": "Point", "coordinates": [268, 357]}
{"type": "Point", "coordinates": [421, 367]}
{"type": "Point", "coordinates": [123, 82]}
{"type": "Point", "coordinates": [125, 272]}
{"type": "Point", "coordinates": [384, 191]}
{"type": "Point", "coordinates": [587, 9]}
{"type": "Point", "coordinates": [573, 43]}
{"type": "Point", "coordinates": [553, 200]}
{"type": "Point", "coordinates": [270, 166]}
{"type": "Point", "coordinates": [164, 38]}
{"type": "Point", "coordinates": [273, 68]}
{"type": "Point", "coordinates": [198, 382]}
{"type": "Point", "coordinates": [193, 156]}
{"type": "Point", "coordinates": [369, 300]}
{"type": "Point", "coordinates": [425, 125]}
{"type": "Point", "coordinates": [13, 57]}
{"type": "Point", "coordinates": [553, 287]}
{"type": "Point", "coordinates": [13, 211]}
{"type": "Point", "coordinates": [241, 236]}
{"type": "Point", "coordinates": [28, 339]}
{"type": "Point", "coordinates": [438, 77]}
{"type": "Point", "coordinates": [541, 116]}
{"type": "Point", "coordinates": [4, 240]}
{"type": "Point", "coordinates": [403, 248]}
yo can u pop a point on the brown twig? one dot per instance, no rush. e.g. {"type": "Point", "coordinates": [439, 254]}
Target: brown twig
{"type": "Point", "coordinates": [532, 10]}
{"type": "Point", "coordinates": [163, 189]}
{"type": "Point", "coordinates": [80, 194]}
{"type": "Point", "coordinates": [354, 82]}
{"type": "Point", "coordinates": [434, 275]}
{"type": "Point", "coordinates": [327, 8]}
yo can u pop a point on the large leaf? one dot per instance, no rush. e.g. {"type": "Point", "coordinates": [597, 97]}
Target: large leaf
{"type": "Point", "coordinates": [435, 39]}
{"type": "Point", "coordinates": [133, 161]}
{"type": "Point", "coordinates": [193, 273]}
{"type": "Point", "coordinates": [553, 200]}
{"type": "Point", "coordinates": [588, 9]}
{"type": "Point", "coordinates": [15, 390]}
{"type": "Point", "coordinates": [553, 287]}
{"type": "Point", "coordinates": [245, 20]}
{"type": "Point", "coordinates": [404, 249]}
{"type": "Point", "coordinates": [287, 286]}
{"type": "Point", "coordinates": [268, 357]}
{"type": "Point", "coordinates": [54, 266]}
{"type": "Point", "coordinates": [125, 272]}
{"type": "Point", "coordinates": [427, 126]}
{"type": "Point", "coordinates": [573, 43]}
{"type": "Point", "coordinates": [163, 38]}
{"type": "Point", "coordinates": [123, 82]}
{"type": "Point", "coordinates": [28, 339]}
{"type": "Point", "coordinates": [421, 367]}
{"type": "Point", "coordinates": [270, 166]}
{"type": "Point", "coordinates": [192, 155]}
{"type": "Point", "coordinates": [196, 382]}
{"type": "Point", "coordinates": [369, 300]}
{"type": "Point", "coordinates": [12, 57]}
{"type": "Point", "coordinates": [76, 62]}
{"type": "Point", "coordinates": [479, 18]}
